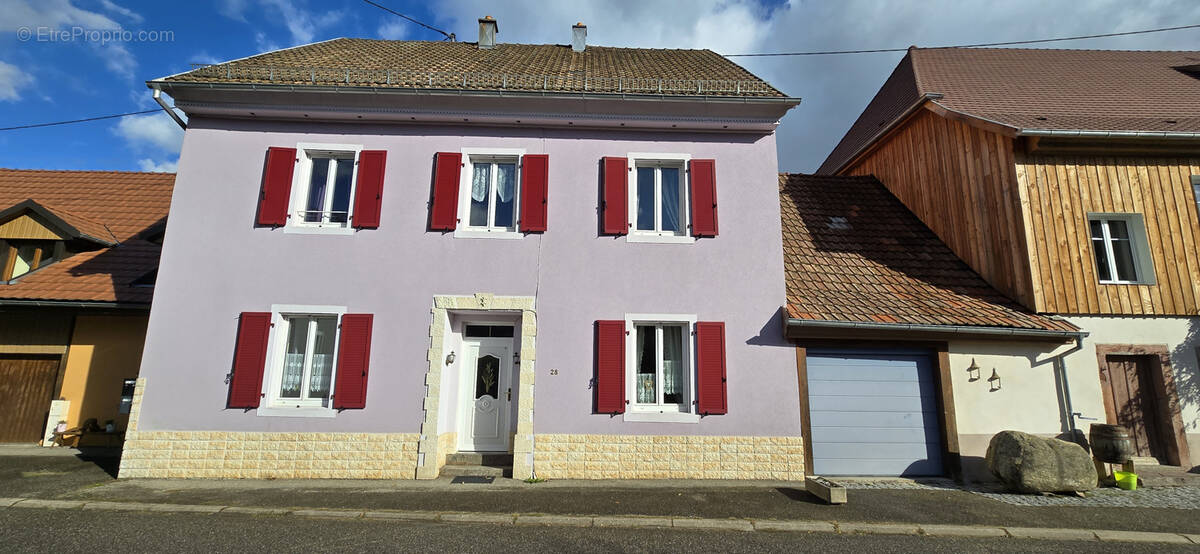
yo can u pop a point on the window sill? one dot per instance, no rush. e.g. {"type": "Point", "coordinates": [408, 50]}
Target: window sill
{"type": "Point", "coordinates": [664, 239]}
{"type": "Point", "coordinates": [1142, 283]}
{"type": "Point", "coordinates": [661, 417]}
{"type": "Point", "coordinates": [296, 411]}
{"type": "Point", "coordinates": [484, 234]}
{"type": "Point", "coordinates": [315, 230]}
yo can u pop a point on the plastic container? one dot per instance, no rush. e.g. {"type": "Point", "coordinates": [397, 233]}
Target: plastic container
{"type": "Point", "coordinates": [1126, 480]}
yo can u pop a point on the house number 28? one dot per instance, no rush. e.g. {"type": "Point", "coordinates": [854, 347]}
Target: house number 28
{"type": "Point", "coordinates": [553, 372]}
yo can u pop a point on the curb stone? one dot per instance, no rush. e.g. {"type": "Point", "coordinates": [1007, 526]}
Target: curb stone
{"type": "Point", "coordinates": [57, 504]}
{"type": "Point", "coordinates": [6, 502]}
{"type": "Point", "coordinates": [796, 526]}
{"type": "Point", "coordinates": [1140, 536]}
{"type": "Point", "coordinates": [962, 531]}
{"type": "Point", "coordinates": [631, 521]}
{"type": "Point", "coordinates": [345, 514]}
{"type": "Point", "coordinates": [1193, 538]}
{"type": "Point", "coordinates": [503, 519]}
{"type": "Point", "coordinates": [419, 516]}
{"type": "Point", "coordinates": [877, 528]}
{"type": "Point", "coordinates": [571, 521]}
{"type": "Point", "coordinates": [1052, 534]}
{"type": "Point", "coordinates": [255, 511]}
{"type": "Point", "coordinates": [724, 524]}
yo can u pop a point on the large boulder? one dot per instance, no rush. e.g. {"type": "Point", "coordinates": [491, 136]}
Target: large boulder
{"type": "Point", "coordinates": [1031, 464]}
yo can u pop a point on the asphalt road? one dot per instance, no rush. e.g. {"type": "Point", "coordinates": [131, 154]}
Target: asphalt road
{"type": "Point", "coordinates": [35, 530]}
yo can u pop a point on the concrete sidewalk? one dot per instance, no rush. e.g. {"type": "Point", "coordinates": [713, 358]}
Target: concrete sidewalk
{"type": "Point", "coordinates": [629, 522]}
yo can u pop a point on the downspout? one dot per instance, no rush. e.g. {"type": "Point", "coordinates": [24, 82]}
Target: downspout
{"type": "Point", "coordinates": [170, 111]}
{"type": "Point", "coordinates": [1061, 366]}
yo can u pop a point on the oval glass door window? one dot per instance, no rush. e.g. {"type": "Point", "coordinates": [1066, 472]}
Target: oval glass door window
{"type": "Point", "coordinates": [487, 377]}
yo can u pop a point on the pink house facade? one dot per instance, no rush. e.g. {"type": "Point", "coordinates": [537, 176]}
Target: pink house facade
{"type": "Point", "coordinates": [365, 277]}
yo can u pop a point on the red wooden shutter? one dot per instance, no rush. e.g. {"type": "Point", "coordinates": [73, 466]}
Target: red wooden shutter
{"type": "Point", "coordinates": [704, 197]}
{"type": "Point", "coordinates": [710, 367]}
{"type": "Point", "coordinates": [610, 367]}
{"type": "Point", "coordinates": [249, 360]}
{"type": "Point", "coordinates": [368, 190]}
{"type": "Point", "coordinates": [354, 355]}
{"type": "Point", "coordinates": [444, 212]}
{"type": "Point", "coordinates": [276, 186]}
{"type": "Point", "coordinates": [616, 196]}
{"type": "Point", "coordinates": [534, 180]}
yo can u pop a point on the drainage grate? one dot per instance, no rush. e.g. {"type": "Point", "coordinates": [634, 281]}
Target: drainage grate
{"type": "Point", "coordinates": [473, 480]}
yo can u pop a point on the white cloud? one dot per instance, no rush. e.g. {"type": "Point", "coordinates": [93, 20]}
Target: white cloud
{"type": "Point", "coordinates": [393, 30]}
{"type": "Point", "coordinates": [165, 166]}
{"type": "Point", "coordinates": [153, 132]}
{"type": "Point", "coordinates": [12, 80]}
{"type": "Point", "coordinates": [61, 14]}
{"type": "Point", "coordinates": [122, 11]}
{"type": "Point", "coordinates": [303, 25]}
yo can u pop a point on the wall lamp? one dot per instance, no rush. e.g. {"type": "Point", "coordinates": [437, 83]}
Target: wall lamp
{"type": "Point", "coordinates": [973, 371]}
{"type": "Point", "coordinates": [994, 381]}
{"type": "Point", "coordinates": [450, 358]}
{"type": "Point", "coordinates": [516, 358]}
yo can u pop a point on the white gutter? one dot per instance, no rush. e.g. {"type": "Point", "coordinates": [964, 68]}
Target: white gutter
{"type": "Point", "coordinates": [1087, 133]}
{"type": "Point", "coordinates": [166, 108]}
{"type": "Point", "coordinates": [1012, 332]}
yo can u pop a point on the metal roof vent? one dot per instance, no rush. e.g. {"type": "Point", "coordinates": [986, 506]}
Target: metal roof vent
{"type": "Point", "coordinates": [578, 37]}
{"type": "Point", "coordinates": [487, 32]}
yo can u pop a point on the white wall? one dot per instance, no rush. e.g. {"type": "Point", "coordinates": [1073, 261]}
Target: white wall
{"type": "Point", "coordinates": [1181, 335]}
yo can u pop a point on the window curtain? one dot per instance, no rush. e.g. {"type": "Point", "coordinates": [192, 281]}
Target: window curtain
{"type": "Point", "coordinates": [318, 382]}
{"type": "Point", "coordinates": [293, 372]}
{"type": "Point", "coordinates": [672, 362]}
{"type": "Point", "coordinates": [506, 182]}
{"type": "Point", "coordinates": [645, 360]}
{"type": "Point", "coordinates": [670, 199]}
{"type": "Point", "coordinates": [479, 182]}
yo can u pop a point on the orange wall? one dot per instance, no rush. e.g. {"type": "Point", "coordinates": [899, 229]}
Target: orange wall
{"type": "Point", "coordinates": [104, 351]}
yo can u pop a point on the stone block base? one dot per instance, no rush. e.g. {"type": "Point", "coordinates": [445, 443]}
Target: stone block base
{"type": "Point", "coordinates": [240, 455]}
{"type": "Point", "coordinates": [668, 457]}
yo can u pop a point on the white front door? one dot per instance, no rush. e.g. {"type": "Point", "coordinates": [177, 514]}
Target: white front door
{"type": "Point", "coordinates": [485, 395]}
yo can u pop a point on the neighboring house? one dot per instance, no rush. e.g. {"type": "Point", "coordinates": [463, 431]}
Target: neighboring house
{"type": "Point", "coordinates": [898, 340]}
{"type": "Point", "coordinates": [518, 244]}
{"type": "Point", "coordinates": [78, 251]}
{"type": "Point", "coordinates": [1068, 180]}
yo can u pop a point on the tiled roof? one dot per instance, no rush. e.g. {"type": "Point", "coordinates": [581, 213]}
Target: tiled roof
{"type": "Point", "coordinates": [122, 205]}
{"type": "Point", "coordinates": [463, 65]}
{"type": "Point", "coordinates": [1028, 89]}
{"type": "Point", "coordinates": [854, 253]}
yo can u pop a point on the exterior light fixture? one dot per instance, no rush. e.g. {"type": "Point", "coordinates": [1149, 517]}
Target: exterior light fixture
{"type": "Point", "coordinates": [450, 358]}
{"type": "Point", "coordinates": [517, 358]}
{"type": "Point", "coordinates": [994, 381]}
{"type": "Point", "coordinates": [973, 371]}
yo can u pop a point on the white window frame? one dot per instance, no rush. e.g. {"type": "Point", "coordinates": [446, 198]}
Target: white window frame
{"type": "Point", "coordinates": [470, 157]}
{"type": "Point", "coordinates": [274, 406]}
{"type": "Point", "coordinates": [1143, 264]}
{"type": "Point", "coordinates": [635, 412]}
{"type": "Point", "coordinates": [659, 159]}
{"type": "Point", "coordinates": [305, 151]}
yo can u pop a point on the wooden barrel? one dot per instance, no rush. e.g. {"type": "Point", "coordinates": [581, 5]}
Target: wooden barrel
{"type": "Point", "coordinates": [1110, 443]}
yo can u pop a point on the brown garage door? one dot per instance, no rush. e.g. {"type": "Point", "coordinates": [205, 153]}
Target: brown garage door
{"type": "Point", "coordinates": [26, 388]}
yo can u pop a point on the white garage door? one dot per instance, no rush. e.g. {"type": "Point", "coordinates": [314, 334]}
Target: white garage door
{"type": "Point", "coordinates": [873, 413]}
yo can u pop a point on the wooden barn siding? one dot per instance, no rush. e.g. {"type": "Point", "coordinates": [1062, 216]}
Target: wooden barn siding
{"type": "Point", "coordinates": [1062, 190]}
{"type": "Point", "coordinates": [961, 182]}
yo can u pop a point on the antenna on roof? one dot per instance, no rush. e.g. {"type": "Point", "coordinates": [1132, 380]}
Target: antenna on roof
{"type": "Point", "coordinates": [449, 36]}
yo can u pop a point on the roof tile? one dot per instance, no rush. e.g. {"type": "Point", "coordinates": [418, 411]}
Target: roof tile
{"type": "Point", "coordinates": [881, 265]}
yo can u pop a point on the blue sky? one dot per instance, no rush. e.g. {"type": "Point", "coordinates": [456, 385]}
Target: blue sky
{"type": "Point", "coordinates": [44, 80]}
